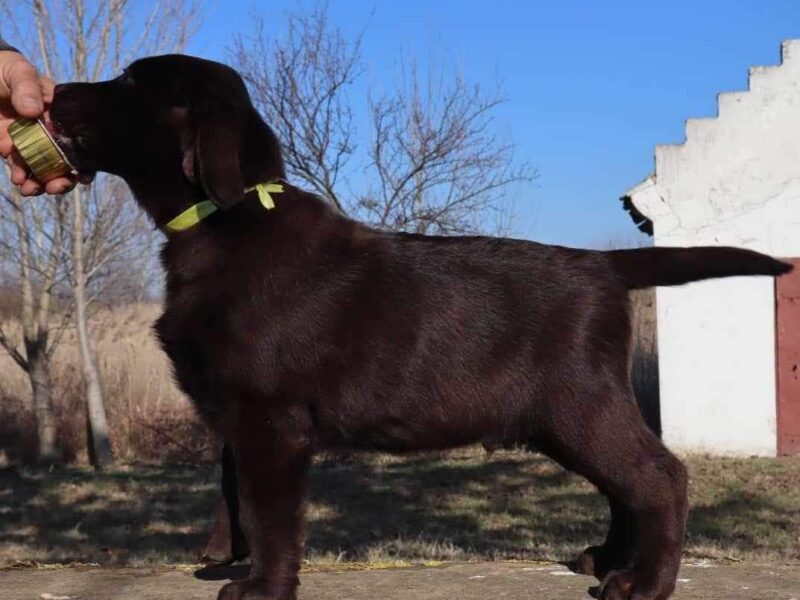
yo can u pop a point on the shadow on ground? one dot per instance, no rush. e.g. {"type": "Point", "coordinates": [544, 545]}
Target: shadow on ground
{"type": "Point", "coordinates": [376, 509]}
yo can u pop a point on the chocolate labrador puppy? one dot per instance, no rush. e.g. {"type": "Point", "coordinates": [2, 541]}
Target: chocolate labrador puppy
{"type": "Point", "coordinates": [297, 329]}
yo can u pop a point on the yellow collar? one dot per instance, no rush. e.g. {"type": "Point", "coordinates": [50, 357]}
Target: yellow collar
{"type": "Point", "coordinates": [196, 213]}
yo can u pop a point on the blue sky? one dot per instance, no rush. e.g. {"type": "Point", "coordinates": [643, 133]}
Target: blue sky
{"type": "Point", "coordinates": [592, 85]}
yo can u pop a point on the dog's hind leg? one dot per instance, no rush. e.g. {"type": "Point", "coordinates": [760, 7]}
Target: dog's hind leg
{"type": "Point", "coordinates": [273, 449]}
{"type": "Point", "coordinates": [226, 543]}
{"type": "Point", "coordinates": [607, 442]}
{"type": "Point", "coordinates": [617, 552]}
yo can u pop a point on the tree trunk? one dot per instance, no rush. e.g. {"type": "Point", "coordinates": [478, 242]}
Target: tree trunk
{"type": "Point", "coordinates": [41, 386]}
{"type": "Point", "coordinates": [34, 318]}
{"type": "Point", "coordinates": [98, 441]}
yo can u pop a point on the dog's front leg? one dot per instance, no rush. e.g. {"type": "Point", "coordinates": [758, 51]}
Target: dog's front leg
{"type": "Point", "coordinates": [273, 449]}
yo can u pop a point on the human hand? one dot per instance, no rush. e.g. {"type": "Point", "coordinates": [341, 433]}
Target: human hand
{"type": "Point", "coordinates": [25, 93]}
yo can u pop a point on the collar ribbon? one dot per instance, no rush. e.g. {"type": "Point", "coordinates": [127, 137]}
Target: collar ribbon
{"type": "Point", "coordinates": [197, 212]}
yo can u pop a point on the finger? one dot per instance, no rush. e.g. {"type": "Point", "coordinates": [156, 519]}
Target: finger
{"type": "Point", "coordinates": [26, 89]}
{"type": "Point", "coordinates": [48, 85]}
{"type": "Point", "coordinates": [6, 145]}
{"type": "Point", "coordinates": [19, 170]}
{"type": "Point", "coordinates": [59, 185]}
{"type": "Point", "coordinates": [18, 176]}
{"type": "Point", "coordinates": [31, 187]}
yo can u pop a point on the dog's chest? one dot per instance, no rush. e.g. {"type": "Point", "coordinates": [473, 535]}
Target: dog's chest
{"type": "Point", "coordinates": [197, 342]}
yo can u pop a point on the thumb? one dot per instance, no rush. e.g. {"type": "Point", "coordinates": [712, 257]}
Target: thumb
{"type": "Point", "coordinates": [26, 89]}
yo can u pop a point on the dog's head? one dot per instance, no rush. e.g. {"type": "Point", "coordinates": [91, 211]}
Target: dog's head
{"type": "Point", "coordinates": [169, 122]}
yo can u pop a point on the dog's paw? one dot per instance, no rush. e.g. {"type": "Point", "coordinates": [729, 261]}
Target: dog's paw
{"type": "Point", "coordinates": [254, 589]}
{"type": "Point", "coordinates": [210, 561]}
{"type": "Point", "coordinates": [630, 585]}
{"type": "Point", "coordinates": [223, 559]}
{"type": "Point", "coordinates": [617, 585]}
{"type": "Point", "coordinates": [587, 562]}
{"type": "Point", "coordinates": [599, 561]}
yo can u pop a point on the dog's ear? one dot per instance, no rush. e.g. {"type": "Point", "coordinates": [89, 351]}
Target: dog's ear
{"type": "Point", "coordinates": [212, 158]}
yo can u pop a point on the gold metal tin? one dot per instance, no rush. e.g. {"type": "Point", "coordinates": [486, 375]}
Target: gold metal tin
{"type": "Point", "coordinates": [38, 149]}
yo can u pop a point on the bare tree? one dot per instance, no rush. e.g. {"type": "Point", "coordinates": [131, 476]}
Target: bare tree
{"type": "Point", "coordinates": [440, 166]}
{"type": "Point", "coordinates": [86, 40]}
{"type": "Point", "coordinates": [300, 84]}
{"type": "Point", "coordinates": [118, 246]}
{"type": "Point", "coordinates": [434, 162]}
{"type": "Point", "coordinates": [32, 240]}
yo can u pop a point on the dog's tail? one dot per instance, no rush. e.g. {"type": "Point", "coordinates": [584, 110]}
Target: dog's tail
{"type": "Point", "coordinates": [649, 267]}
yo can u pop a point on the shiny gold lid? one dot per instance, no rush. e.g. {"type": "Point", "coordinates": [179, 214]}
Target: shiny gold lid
{"type": "Point", "coordinates": [38, 149]}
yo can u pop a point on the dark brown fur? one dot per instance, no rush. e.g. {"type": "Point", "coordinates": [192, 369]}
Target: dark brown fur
{"type": "Point", "coordinates": [298, 329]}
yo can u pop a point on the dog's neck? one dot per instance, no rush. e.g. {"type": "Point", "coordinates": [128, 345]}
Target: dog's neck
{"type": "Point", "coordinates": [164, 195]}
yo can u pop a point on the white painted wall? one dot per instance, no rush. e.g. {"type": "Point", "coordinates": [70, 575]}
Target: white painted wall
{"type": "Point", "coordinates": [717, 365]}
{"type": "Point", "coordinates": [735, 181]}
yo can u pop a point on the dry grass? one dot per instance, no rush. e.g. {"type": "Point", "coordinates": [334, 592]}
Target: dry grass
{"type": "Point", "coordinates": [382, 509]}
{"type": "Point", "coordinates": [150, 419]}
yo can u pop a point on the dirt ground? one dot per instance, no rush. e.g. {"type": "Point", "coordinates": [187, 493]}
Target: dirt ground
{"type": "Point", "coordinates": [701, 580]}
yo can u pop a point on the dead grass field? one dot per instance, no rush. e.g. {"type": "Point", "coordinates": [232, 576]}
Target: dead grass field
{"type": "Point", "coordinates": [379, 509]}
{"type": "Point", "coordinates": [149, 418]}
